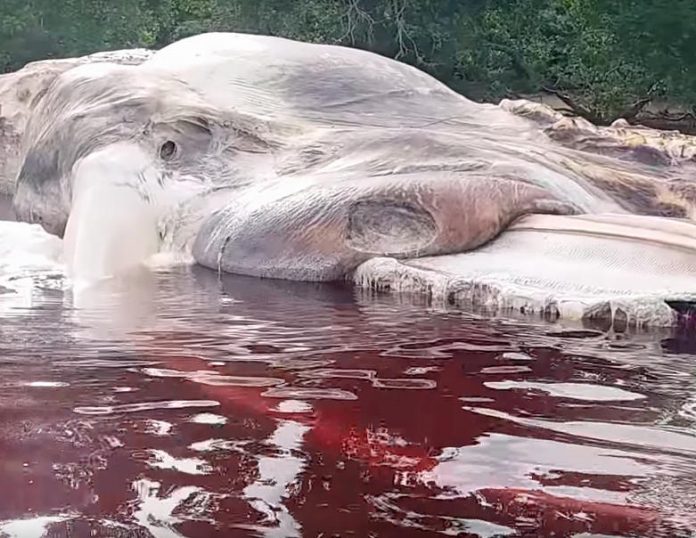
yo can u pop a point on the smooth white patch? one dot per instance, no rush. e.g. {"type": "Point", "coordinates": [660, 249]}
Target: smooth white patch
{"type": "Point", "coordinates": [45, 384]}
{"type": "Point", "coordinates": [209, 418]}
{"type": "Point", "coordinates": [293, 406]}
{"type": "Point", "coordinates": [111, 228]}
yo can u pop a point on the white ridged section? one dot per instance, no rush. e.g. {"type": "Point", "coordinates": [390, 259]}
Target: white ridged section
{"type": "Point", "coordinates": [616, 267]}
{"type": "Point", "coordinates": [499, 295]}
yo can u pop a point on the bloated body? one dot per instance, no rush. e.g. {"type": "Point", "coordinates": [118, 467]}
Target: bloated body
{"type": "Point", "coordinates": [274, 158]}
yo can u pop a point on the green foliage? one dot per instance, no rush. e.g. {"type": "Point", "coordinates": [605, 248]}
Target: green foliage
{"type": "Point", "coordinates": [601, 56]}
{"type": "Point", "coordinates": [571, 46]}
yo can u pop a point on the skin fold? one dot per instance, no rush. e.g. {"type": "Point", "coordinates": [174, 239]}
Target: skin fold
{"type": "Point", "coordinates": [274, 158]}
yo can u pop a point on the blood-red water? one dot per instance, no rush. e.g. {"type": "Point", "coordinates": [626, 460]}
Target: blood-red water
{"type": "Point", "coordinates": [191, 405]}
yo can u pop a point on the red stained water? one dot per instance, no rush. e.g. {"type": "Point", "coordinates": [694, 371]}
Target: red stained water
{"type": "Point", "coordinates": [195, 406]}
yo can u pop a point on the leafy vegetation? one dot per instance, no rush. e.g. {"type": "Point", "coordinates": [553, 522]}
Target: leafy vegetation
{"type": "Point", "coordinates": [603, 58]}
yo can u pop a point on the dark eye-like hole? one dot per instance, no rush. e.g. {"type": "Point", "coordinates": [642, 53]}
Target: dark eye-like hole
{"type": "Point", "coordinates": [167, 150]}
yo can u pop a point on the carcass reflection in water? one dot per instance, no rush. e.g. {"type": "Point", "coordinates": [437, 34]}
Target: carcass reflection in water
{"type": "Point", "coordinates": [231, 406]}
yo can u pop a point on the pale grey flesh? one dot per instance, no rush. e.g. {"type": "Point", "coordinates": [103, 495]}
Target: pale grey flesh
{"type": "Point", "coordinates": [610, 271]}
{"type": "Point", "coordinates": [321, 158]}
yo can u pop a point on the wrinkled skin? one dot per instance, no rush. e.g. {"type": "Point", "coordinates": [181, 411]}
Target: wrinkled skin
{"type": "Point", "coordinates": [21, 92]}
{"type": "Point", "coordinates": [281, 159]}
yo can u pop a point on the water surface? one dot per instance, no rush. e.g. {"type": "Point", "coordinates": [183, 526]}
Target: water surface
{"type": "Point", "coordinates": [182, 403]}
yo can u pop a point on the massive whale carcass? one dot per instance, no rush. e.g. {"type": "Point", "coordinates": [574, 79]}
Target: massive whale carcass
{"type": "Point", "coordinates": [275, 158]}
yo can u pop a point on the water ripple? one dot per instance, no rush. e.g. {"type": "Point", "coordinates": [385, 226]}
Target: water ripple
{"type": "Point", "coordinates": [310, 393]}
{"type": "Point", "coordinates": [293, 416]}
{"type": "Point", "coordinates": [571, 391]}
{"type": "Point", "coordinates": [162, 460]}
{"type": "Point", "coordinates": [214, 378]}
{"type": "Point", "coordinates": [143, 406]}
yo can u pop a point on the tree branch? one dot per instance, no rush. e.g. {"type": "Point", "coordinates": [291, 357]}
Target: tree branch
{"type": "Point", "coordinates": [352, 20]}
{"type": "Point", "coordinates": [577, 108]}
{"type": "Point", "coordinates": [629, 114]}
{"type": "Point", "coordinates": [635, 108]}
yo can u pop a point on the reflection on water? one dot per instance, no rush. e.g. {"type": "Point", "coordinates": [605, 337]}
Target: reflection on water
{"type": "Point", "coordinates": [181, 403]}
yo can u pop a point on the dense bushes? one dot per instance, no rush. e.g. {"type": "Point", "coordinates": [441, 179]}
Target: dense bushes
{"type": "Point", "coordinates": [604, 58]}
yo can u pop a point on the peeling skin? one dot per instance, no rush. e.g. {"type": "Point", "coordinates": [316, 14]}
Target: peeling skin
{"type": "Point", "coordinates": [315, 162]}
{"type": "Point", "coordinates": [612, 272]}
{"type": "Point", "coordinates": [620, 139]}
